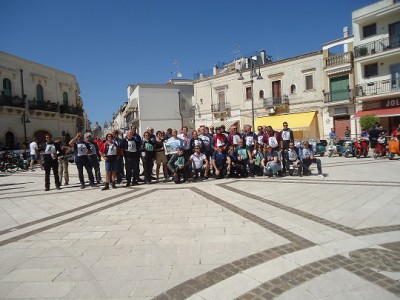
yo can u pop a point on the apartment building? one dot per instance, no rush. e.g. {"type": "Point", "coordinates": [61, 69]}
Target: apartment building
{"type": "Point", "coordinates": [376, 30]}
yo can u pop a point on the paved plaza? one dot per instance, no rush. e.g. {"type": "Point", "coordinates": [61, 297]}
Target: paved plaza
{"type": "Point", "coordinates": [336, 237]}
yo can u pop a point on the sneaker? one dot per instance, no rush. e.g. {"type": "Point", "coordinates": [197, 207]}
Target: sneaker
{"type": "Point", "coordinates": [58, 187]}
{"type": "Point", "coordinates": [82, 186]}
{"type": "Point", "coordinates": [320, 175]}
{"type": "Point", "coordinates": [140, 180]}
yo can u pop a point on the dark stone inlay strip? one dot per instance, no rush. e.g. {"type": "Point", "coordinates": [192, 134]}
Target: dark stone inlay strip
{"type": "Point", "coordinates": [289, 280]}
{"type": "Point", "coordinates": [395, 246]}
{"type": "Point", "coordinates": [12, 229]}
{"type": "Point", "coordinates": [343, 228]}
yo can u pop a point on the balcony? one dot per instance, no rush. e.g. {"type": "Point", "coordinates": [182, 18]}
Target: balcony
{"type": "Point", "coordinates": [339, 59]}
{"type": "Point", "coordinates": [72, 110]}
{"type": "Point", "coordinates": [43, 105]}
{"type": "Point", "coordinates": [338, 95]}
{"type": "Point", "coordinates": [276, 101]}
{"type": "Point", "coordinates": [130, 118]}
{"type": "Point", "coordinates": [221, 107]}
{"type": "Point", "coordinates": [12, 101]}
{"type": "Point", "coordinates": [378, 87]}
{"type": "Point", "coordinates": [377, 46]}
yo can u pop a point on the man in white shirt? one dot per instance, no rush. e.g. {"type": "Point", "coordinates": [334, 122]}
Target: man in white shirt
{"type": "Point", "coordinates": [200, 163]}
{"type": "Point", "coordinates": [35, 154]}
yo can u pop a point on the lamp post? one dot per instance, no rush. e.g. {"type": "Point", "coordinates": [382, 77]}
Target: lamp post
{"type": "Point", "coordinates": [253, 73]}
{"type": "Point", "coordinates": [25, 120]}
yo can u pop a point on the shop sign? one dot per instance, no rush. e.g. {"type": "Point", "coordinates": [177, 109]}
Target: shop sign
{"type": "Point", "coordinates": [390, 103]}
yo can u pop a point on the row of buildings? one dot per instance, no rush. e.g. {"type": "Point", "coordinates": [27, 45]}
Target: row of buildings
{"type": "Point", "coordinates": [333, 87]}
{"type": "Point", "coordinates": [35, 100]}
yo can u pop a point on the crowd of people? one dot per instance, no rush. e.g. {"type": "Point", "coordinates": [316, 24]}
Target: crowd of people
{"type": "Point", "coordinates": [182, 155]}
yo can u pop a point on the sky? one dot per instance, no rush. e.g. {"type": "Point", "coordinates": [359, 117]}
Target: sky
{"type": "Point", "coordinates": [108, 44]}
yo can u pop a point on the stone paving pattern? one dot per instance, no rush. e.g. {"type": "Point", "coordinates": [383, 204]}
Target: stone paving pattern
{"type": "Point", "coordinates": [284, 238]}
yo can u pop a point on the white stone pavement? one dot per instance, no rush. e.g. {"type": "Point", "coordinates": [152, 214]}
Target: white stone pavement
{"type": "Point", "coordinates": [169, 240]}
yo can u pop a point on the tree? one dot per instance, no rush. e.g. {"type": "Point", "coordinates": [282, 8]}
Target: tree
{"type": "Point", "coordinates": [368, 121]}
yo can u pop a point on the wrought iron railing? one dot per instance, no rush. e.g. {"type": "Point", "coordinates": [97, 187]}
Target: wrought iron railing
{"type": "Point", "coordinates": [130, 118]}
{"type": "Point", "coordinates": [378, 87]}
{"type": "Point", "coordinates": [377, 46]}
{"type": "Point", "coordinates": [43, 105]}
{"type": "Point", "coordinates": [338, 95]}
{"type": "Point", "coordinates": [12, 101]}
{"type": "Point", "coordinates": [221, 107]}
{"type": "Point", "coordinates": [73, 110]}
{"type": "Point", "coordinates": [339, 59]}
{"type": "Point", "coordinates": [276, 101]}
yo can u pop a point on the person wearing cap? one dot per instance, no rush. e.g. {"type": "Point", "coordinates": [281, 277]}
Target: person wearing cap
{"type": "Point", "coordinates": [308, 158]}
{"type": "Point", "coordinates": [199, 163]}
{"type": "Point", "coordinates": [82, 149]}
{"type": "Point", "coordinates": [219, 161]}
{"type": "Point", "coordinates": [219, 138]}
{"type": "Point", "coordinates": [179, 166]}
{"type": "Point", "coordinates": [94, 156]}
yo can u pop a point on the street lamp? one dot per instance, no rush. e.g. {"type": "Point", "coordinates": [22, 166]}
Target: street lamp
{"type": "Point", "coordinates": [25, 120]}
{"type": "Point", "coordinates": [253, 73]}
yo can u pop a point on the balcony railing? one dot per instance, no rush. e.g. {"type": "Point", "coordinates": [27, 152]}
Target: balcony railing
{"type": "Point", "coordinates": [43, 105]}
{"type": "Point", "coordinates": [12, 101]}
{"type": "Point", "coordinates": [378, 87]}
{"type": "Point", "coordinates": [73, 110]}
{"type": "Point", "coordinates": [130, 118]}
{"type": "Point", "coordinates": [340, 59]}
{"type": "Point", "coordinates": [377, 46]}
{"type": "Point", "coordinates": [221, 107]}
{"type": "Point", "coordinates": [276, 101]}
{"type": "Point", "coordinates": [338, 95]}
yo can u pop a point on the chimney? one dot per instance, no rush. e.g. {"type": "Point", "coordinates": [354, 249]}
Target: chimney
{"type": "Point", "coordinates": [215, 70]}
{"type": "Point", "coordinates": [262, 55]}
{"type": "Point", "coordinates": [345, 31]}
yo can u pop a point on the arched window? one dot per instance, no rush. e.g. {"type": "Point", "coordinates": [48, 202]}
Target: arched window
{"type": "Point", "coordinates": [7, 90]}
{"type": "Point", "coordinates": [39, 93]}
{"type": "Point", "coordinates": [65, 99]}
{"type": "Point", "coordinates": [292, 89]}
{"type": "Point", "coordinates": [261, 94]}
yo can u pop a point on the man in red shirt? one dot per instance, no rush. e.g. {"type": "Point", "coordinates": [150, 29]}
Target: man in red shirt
{"type": "Point", "coordinates": [273, 138]}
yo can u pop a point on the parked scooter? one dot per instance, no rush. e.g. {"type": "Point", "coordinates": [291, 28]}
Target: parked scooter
{"type": "Point", "coordinates": [335, 148]}
{"type": "Point", "coordinates": [393, 147]}
{"type": "Point", "coordinates": [380, 148]}
{"type": "Point", "coordinates": [348, 148]}
{"type": "Point", "coordinates": [361, 147]}
{"type": "Point", "coordinates": [318, 148]}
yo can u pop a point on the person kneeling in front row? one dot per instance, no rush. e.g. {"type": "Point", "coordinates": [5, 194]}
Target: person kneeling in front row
{"type": "Point", "coordinates": [179, 166]}
{"type": "Point", "coordinates": [308, 158]}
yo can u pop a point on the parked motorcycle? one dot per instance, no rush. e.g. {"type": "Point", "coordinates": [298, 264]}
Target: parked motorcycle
{"type": "Point", "coordinates": [380, 148]}
{"type": "Point", "coordinates": [361, 147]}
{"type": "Point", "coordinates": [335, 148]}
{"type": "Point", "coordinates": [318, 148]}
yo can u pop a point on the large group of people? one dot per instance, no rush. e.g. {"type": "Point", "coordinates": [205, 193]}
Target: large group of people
{"type": "Point", "coordinates": [182, 156]}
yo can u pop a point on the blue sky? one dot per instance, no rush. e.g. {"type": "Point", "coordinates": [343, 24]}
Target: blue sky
{"type": "Point", "coordinates": [110, 44]}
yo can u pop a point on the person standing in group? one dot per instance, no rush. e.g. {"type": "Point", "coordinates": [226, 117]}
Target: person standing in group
{"type": "Point", "coordinates": [34, 151]}
{"type": "Point", "coordinates": [131, 147]}
{"type": "Point", "coordinates": [147, 152]}
{"type": "Point", "coordinates": [118, 141]}
{"type": "Point", "coordinates": [186, 138]}
{"type": "Point", "coordinates": [50, 161]}
{"type": "Point", "coordinates": [332, 135]}
{"type": "Point", "coordinates": [287, 138]}
{"type": "Point", "coordinates": [63, 161]}
{"type": "Point", "coordinates": [82, 149]}
{"type": "Point", "coordinates": [161, 158]}
{"type": "Point", "coordinates": [109, 151]}
{"type": "Point", "coordinates": [94, 156]}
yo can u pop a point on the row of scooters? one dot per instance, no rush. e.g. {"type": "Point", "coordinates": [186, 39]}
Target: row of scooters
{"type": "Point", "coordinates": [385, 146]}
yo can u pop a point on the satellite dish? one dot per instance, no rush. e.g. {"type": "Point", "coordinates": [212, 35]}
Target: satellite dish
{"type": "Point", "coordinates": [179, 74]}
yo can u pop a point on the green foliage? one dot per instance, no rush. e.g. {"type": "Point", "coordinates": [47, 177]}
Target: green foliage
{"type": "Point", "coordinates": [368, 121]}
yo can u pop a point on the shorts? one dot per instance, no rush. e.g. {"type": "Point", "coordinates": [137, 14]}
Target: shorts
{"type": "Point", "coordinates": [161, 158]}
{"type": "Point", "coordinates": [33, 157]}
{"type": "Point", "coordinates": [111, 165]}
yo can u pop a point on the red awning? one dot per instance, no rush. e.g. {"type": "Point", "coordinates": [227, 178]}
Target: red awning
{"type": "Point", "coordinates": [384, 112]}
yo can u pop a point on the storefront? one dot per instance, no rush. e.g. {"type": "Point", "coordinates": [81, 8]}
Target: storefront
{"type": "Point", "coordinates": [388, 112]}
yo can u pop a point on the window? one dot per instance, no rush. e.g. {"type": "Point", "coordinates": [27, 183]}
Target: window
{"type": "Point", "coordinates": [39, 93]}
{"type": "Point", "coordinates": [371, 70]}
{"type": "Point", "coordinates": [65, 99]}
{"type": "Point", "coordinates": [369, 30]}
{"type": "Point", "coordinates": [249, 93]}
{"type": "Point", "coordinates": [309, 82]}
{"type": "Point", "coordinates": [293, 89]}
{"type": "Point", "coordinates": [7, 87]}
{"type": "Point", "coordinates": [221, 97]}
{"type": "Point", "coordinates": [261, 94]}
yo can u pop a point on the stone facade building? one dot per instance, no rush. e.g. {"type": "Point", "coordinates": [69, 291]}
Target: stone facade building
{"type": "Point", "coordinates": [36, 99]}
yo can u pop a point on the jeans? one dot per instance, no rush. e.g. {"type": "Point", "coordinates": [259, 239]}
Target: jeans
{"type": "Point", "coordinates": [48, 165]}
{"type": "Point", "coordinates": [94, 162]}
{"type": "Point", "coordinates": [307, 163]}
{"type": "Point", "coordinates": [83, 162]}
